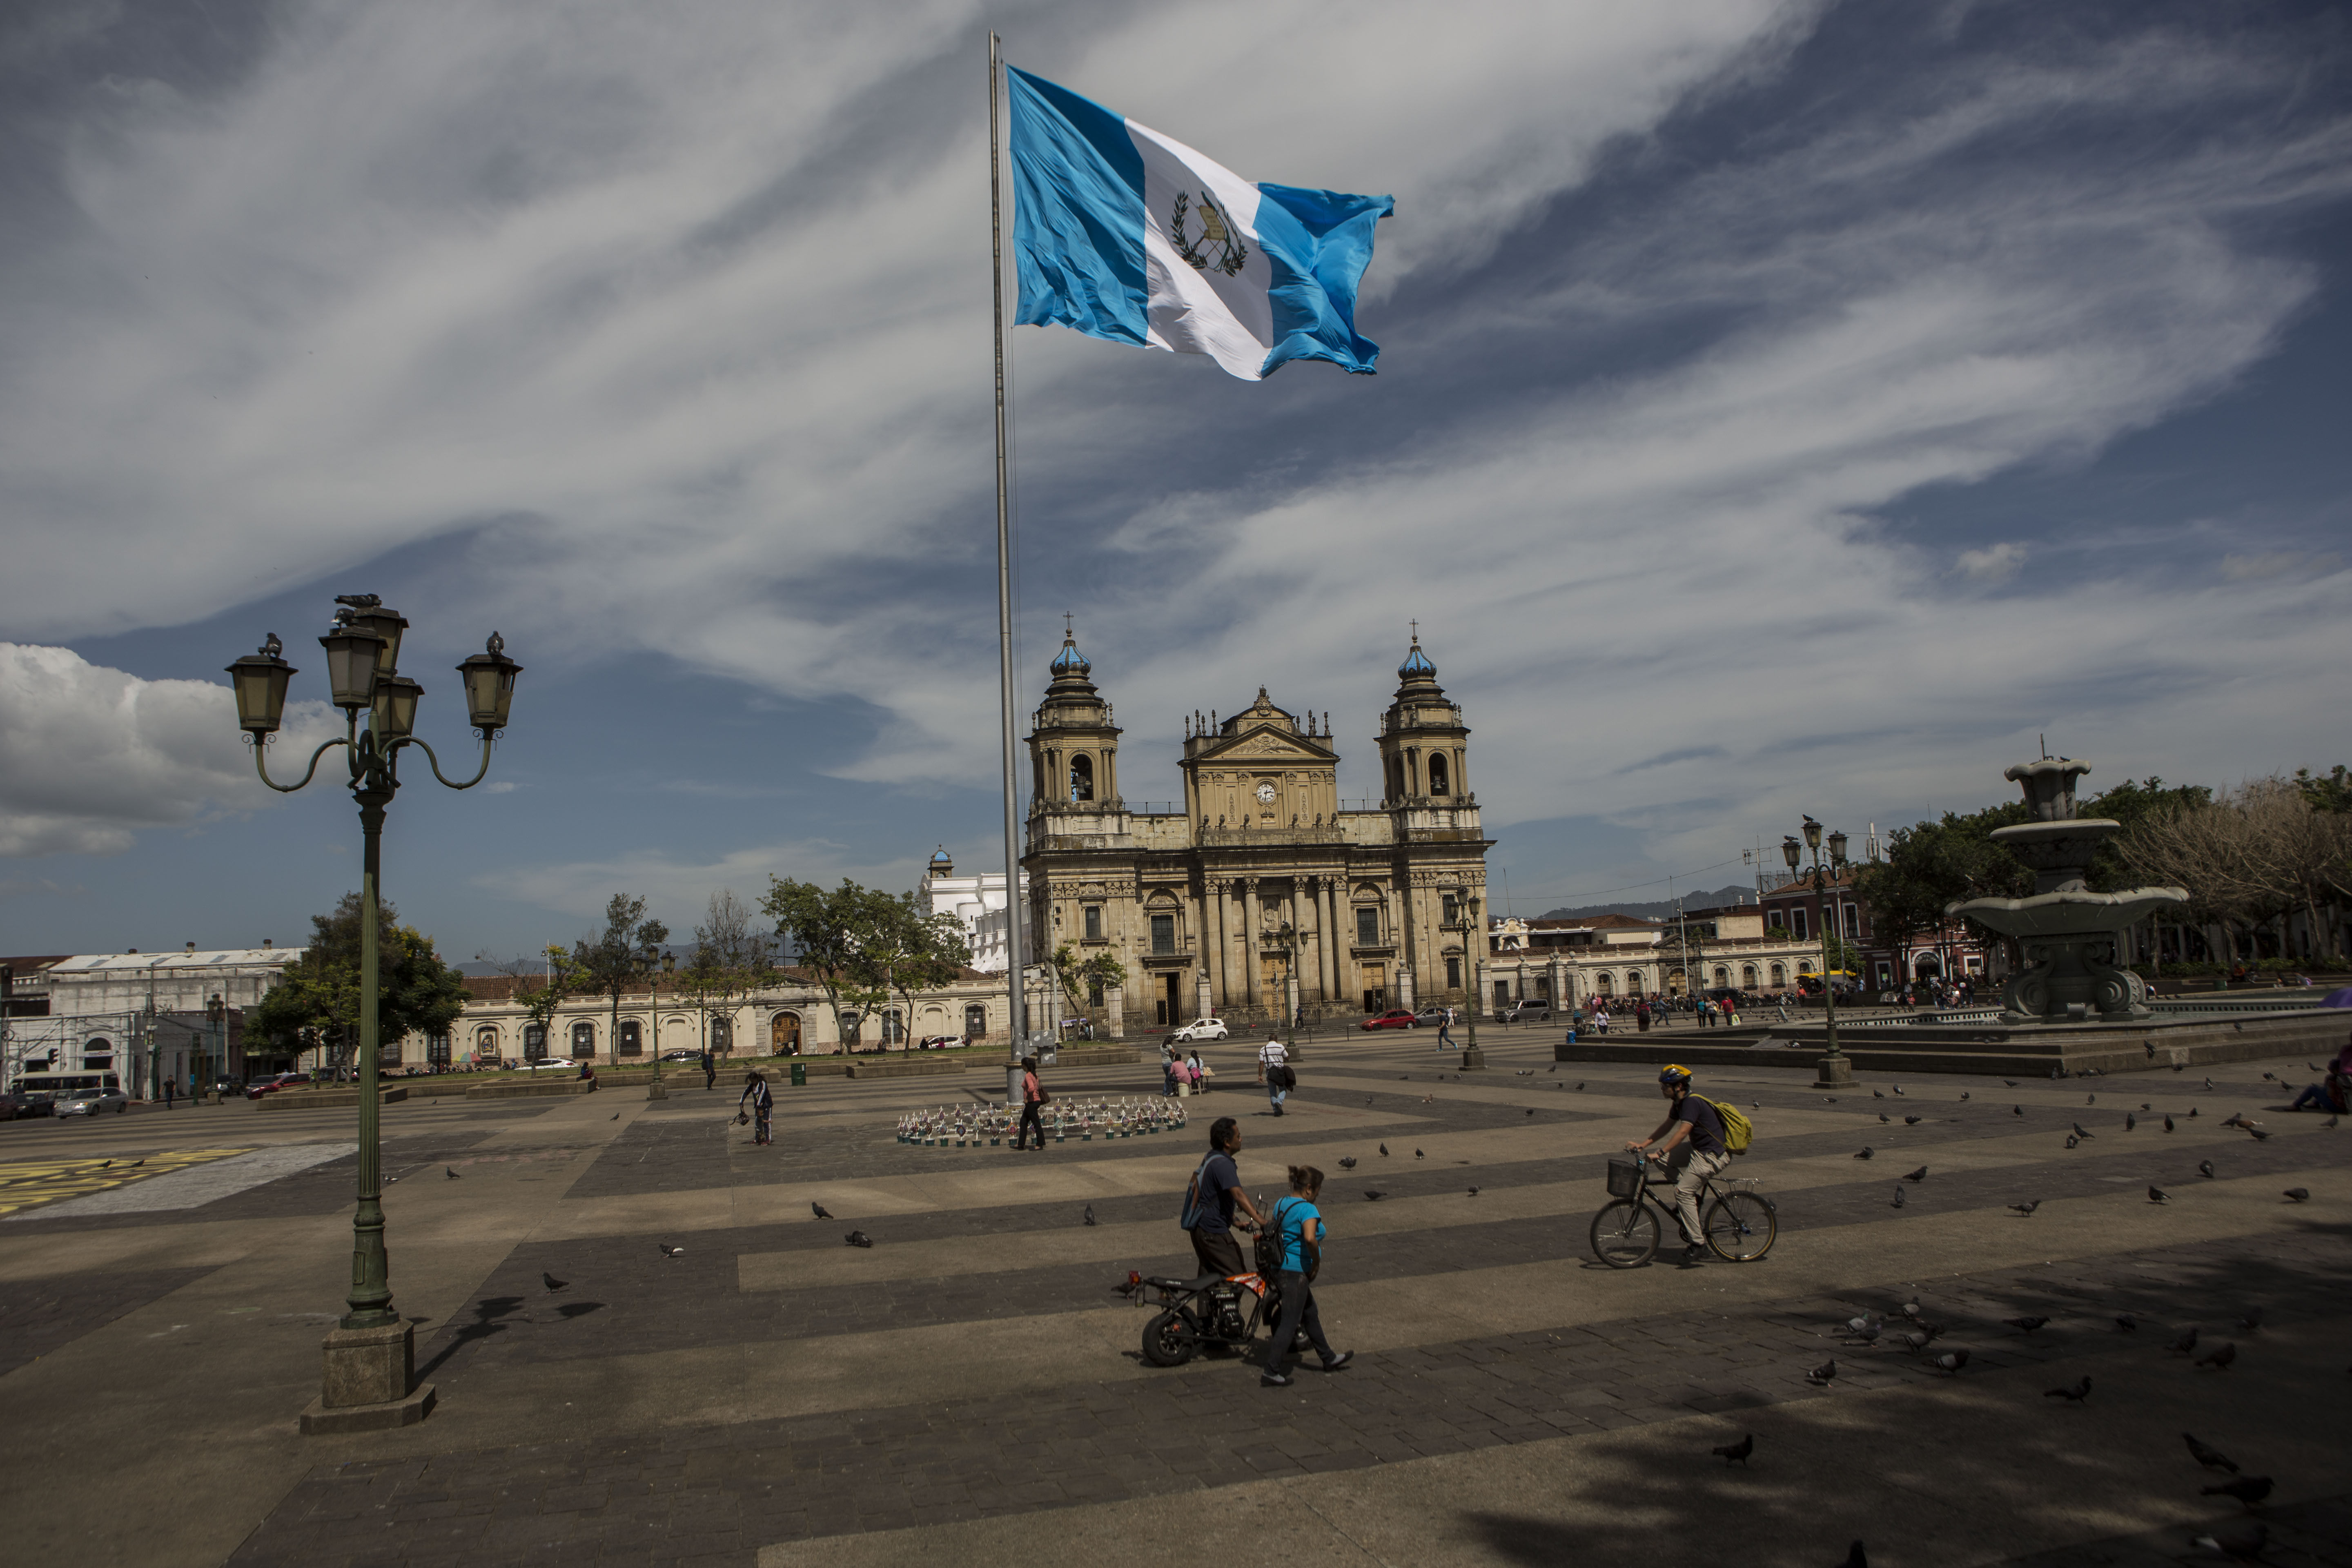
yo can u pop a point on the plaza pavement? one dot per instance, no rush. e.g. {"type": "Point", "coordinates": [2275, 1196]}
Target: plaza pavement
{"type": "Point", "coordinates": [969, 1390]}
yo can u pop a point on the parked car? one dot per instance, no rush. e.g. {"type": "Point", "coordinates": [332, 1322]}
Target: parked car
{"type": "Point", "coordinates": [1395, 1018]}
{"type": "Point", "coordinates": [681, 1055]}
{"type": "Point", "coordinates": [1528, 1010]}
{"type": "Point", "coordinates": [1431, 1017]}
{"type": "Point", "coordinates": [91, 1102]}
{"type": "Point", "coordinates": [1200, 1029]}
{"type": "Point", "coordinates": [19, 1102]}
{"type": "Point", "coordinates": [551, 1064]}
{"type": "Point", "coordinates": [938, 1042]}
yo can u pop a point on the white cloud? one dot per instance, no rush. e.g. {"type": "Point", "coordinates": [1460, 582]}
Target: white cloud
{"type": "Point", "coordinates": [88, 754]}
{"type": "Point", "coordinates": [677, 889]}
{"type": "Point", "coordinates": [1993, 563]}
{"type": "Point", "coordinates": [2276, 563]}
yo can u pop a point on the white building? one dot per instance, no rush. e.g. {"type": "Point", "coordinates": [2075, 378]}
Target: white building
{"type": "Point", "coordinates": [979, 903]}
{"type": "Point", "coordinates": [140, 1015]}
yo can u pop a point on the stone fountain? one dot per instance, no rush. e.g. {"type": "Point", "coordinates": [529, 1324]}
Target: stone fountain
{"type": "Point", "coordinates": [2071, 936]}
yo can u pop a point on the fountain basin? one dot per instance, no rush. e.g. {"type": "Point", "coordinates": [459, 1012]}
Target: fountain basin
{"type": "Point", "coordinates": [2072, 912]}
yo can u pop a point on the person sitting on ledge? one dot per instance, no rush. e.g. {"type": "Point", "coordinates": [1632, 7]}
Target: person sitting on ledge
{"type": "Point", "coordinates": [2333, 1093]}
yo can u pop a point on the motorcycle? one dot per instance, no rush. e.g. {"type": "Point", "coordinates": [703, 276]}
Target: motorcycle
{"type": "Point", "coordinates": [1214, 1309]}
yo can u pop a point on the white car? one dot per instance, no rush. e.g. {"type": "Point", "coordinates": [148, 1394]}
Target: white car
{"type": "Point", "coordinates": [1200, 1029]}
{"type": "Point", "coordinates": [91, 1102]}
{"type": "Point", "coordinates": [550, 1064]}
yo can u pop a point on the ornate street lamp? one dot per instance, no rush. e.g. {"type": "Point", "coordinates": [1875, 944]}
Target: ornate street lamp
{"type": "Point", "coordinates": [1471, 926]}
{"type": "Point", "coordinates": [1285, 937]}
{"type": "Point", "coordinates": [216, 1014]}
{"type": "Point", "coordinates": [371, 1355]}
{"type": "Point", "coordinates": [654, 965]}
{"type": "Point", "coordinates": [1835, 1070]}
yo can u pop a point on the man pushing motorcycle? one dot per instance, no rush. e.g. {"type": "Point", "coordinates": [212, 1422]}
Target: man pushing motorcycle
{"type": "Point", "coordinates": [1210, 1201]}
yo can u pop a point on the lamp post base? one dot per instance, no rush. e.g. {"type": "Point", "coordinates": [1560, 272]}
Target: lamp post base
{"type": "Point", "coordinates": [656, 1090]}
{"type": "Point", "coordinates": [1473, 1059]}
{"type": "Point", "coordinates": [368, 1383]}
{"type": "Point", "coordinates": [323, 1419]}
{"type": "Point", "coordinates": [1837, 1072]}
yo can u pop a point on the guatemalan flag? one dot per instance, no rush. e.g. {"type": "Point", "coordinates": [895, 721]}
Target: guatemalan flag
{"type": "Point", "coordinates": [1127, 235]}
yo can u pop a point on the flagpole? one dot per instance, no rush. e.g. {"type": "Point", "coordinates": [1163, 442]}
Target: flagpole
{"type": "Point", "coordinates": [1012, 954]}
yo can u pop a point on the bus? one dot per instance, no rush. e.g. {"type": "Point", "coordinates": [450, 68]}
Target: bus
{"type": "Point", "coordinates": [34, 1080]}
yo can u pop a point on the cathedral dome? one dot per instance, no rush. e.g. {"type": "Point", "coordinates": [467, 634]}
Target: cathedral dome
{"type": "Point", "coordinates": [1416, 663]}
{"type": "Point", "coordinates": [1070, 661]}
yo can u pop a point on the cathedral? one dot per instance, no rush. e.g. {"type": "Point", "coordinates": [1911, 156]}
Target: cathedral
{"type": "Point", "coordinates": [1266, 891]}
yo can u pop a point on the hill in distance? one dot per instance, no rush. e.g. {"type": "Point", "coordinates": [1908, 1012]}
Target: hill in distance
{"type": "Point", "coordinates": [1664, 910]}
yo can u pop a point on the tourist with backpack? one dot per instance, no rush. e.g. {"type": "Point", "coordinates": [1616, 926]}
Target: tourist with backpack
{"type": "Point", "coordinates": [1273, 1071]}
{"type": "Point", "coordinates": [1210, 1199]}
{"type": "Point", "coordinates": [1295, 1245]}
{"type": "Point", "coordinates": [1693, 1142]}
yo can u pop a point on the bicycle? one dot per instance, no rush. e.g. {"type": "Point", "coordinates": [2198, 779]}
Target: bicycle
{"type": "Point", "coordinates": [1740, 1224]}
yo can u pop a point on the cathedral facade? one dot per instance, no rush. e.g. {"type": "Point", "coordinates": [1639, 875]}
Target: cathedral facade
{"type": "Point", "coordinates": [1265, 890]}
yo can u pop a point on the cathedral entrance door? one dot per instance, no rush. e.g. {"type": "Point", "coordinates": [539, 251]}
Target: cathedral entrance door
{"type": "Point", "coordinates": [1376, 988]}
{"type": "Point", "coordinates": [1166, 1007]}
{"type": "Point", "coordinates": [1274, 968]}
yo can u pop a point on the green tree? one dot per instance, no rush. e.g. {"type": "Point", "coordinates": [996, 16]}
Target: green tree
{"type": "Point", "coordinates": [732, 960]}
{"type": "Point", "coordinates": [609, 963]}
{"type": "Point", "coordinates": [1080, 977]}
{"type": "Point", "coordinates": [2331, 792]}
{"type": "Point", "coordinates": [317, 994]}
{"type": "Point", "coordinates": [906, 950]}
{"type": "Point", "coordinates": [827, 931]}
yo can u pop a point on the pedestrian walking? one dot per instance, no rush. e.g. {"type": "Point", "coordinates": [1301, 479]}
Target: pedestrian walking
{"type": "Point", "coordinates": [763, 1106]}
{"type": "Point", "coordinates": [1273, 1071]}
{"type": "Point", "coordinates": [1210, 1201]}
{"type": "Point", "coordinates": [1445, 1030]}
{"type": "Point", "coordinates": [1297, 1228]}
{"type": "Point", "coordinates": [1642, 1016]}
{"type": "Point", "coordinates": [169, 1086]}
{"type": "Point", "coordinates": [1033, 1103]}
{"type": "Point", "coordinates": [1198, 1070]}
{"type": "Point", "coordinates": [709, 1070]}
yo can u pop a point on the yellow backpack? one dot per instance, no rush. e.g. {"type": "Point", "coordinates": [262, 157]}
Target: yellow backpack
{"type": "Point", "coordinates": [1737, 1131]}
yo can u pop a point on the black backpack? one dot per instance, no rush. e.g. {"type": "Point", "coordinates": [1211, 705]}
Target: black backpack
{"type": "Point", "coordinates": [1269, 1247]}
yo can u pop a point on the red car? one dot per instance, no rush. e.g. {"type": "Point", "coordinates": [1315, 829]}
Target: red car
{"type": "Point", "coordinates": [1395, 1018]}
{"type": "Point", "coordinates": [273, 1083]}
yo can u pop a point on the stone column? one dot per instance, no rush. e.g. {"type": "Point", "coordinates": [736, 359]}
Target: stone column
{"type": "Point", "coordinates": [1115, 1011]}
{"type": "Point", "coordinates": [1214, 961]}
{"type": "Point", "coordinates": [1204, 999]}
{"type": "Point", "coordinates": [1405, 986]}
{"type": "Point", "coordinates": [1562, 1002]}
{"type": "Point", "coordinates": [1478, 975]}
{"type": "Point", "coordinates": [1250, 979]}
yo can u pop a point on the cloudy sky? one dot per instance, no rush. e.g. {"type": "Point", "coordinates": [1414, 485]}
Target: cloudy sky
{"type": "Point", "coordinates": [1782, 407]}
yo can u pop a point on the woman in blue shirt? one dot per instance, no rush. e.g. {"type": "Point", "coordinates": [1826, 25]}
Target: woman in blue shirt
{"type": "Point", "coordinates": [1298, 1226]}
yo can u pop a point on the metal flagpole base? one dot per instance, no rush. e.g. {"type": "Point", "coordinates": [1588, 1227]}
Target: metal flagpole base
{"type": "Point", "coordinates": [1472, 1057]}
{"type": "Point", "coordinates": [1837, 1072]}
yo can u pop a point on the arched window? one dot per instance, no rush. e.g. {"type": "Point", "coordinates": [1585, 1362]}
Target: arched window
{"type": "Point", "coordinates": [1633, 983]}
{"type": "Point", "coordinates": [632, 1038]}
{"type": "Point", "coordinates": [1396, 778]}
{"type": "Point", "coordinates": [784, 1033]}
{"type": "Point", "coordinates": [534, 1042]}
{"type": "Point", "coordinates": [1437, 776]}
{"type": "Point", "coordinates": [1676, 982]}
{"type": "Point", "coordinates": [894, 1027]}
{"type": "Point", "coordinates": [1780, 974]}
{"type": "Point", "coordinates": [1604, 985]}
{"type": "Point", "coordinates": [1748, 977]}
{"type": "Point", "coordinates": [583, 1038]}
{"type": "Point", "coordinates": [1722, 975]}
{"type": "Point", "coordinates": [723, 1034]}
{"type": "Point", "coordinates": [975, 1019]}
{"type": "Point", "coordinates": [1082, 777]}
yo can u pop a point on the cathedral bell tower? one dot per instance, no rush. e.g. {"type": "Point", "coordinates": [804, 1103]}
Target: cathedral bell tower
{"type": "Point", "coordinates": [1424, 745]}
{"type": "Point", "coordinates": [1074, 746]}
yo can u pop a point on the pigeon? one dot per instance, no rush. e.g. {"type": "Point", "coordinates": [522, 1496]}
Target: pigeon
{"type": "Point", "coordinates": [1952, 1361]}
{"type": "Point", "coordinates": [2329, 1124]}
{"type": "Point", "coordinates": [2219, 1360]}
{"type": "Point", "coordinates": [1858, 1324]}
{"type": "Point", "coordinates": [2072, 1141]}
{"type": "Point", "coordinates": [2192, 1113]}
{"type": "Point", "coordinates": [2211, 1459]}
{"type": "Point", "coordinates": [2205, 1167]}
{"type": "Point", "coordinates": [1898, 1198]}
{"type": "Point", "coordinates": [2184, 1344]}
{"type": "Point", "coordinates": [1854, 1558]}
{"type": "Point", "coordinates": [1384, 1148]}
{"type": "Point", "coordinates": [2009, 1081]}
{"type": "Point", "coordinates": [1090, 1213]}
{"type": "Point", "coordinates": [2260, 1136]}
{"type": "Point", "coordinates": [2239, 1546]}
{"type": "Point", "coordinates": [2090, 1099]}
{"type": "Point", "coordinates": [616, 1116]}
{"type": "Point", "coordinates": [2144, 1105]}
{"type": "Point", "coordinates": [551, 1282]}
{"type": "Point", "coordinates": [1884, 1117]}
{"type": "Point", "coordinates": [2025, 1325]}
{"type": "Point", "coordinates": [2017, 1110]}
{"type": "Point", "coordinates": [2209, 1083]}
{"type": "Point", "coordinates": [2025, 1208]}
{"type": "Point", "coordinates": [1866, 1152]}
{"type": "Point", "coordinates": [1580, 1088]}
{"type": "Point", "coordinates": [2270, 1077]}
{"type": "Point", "coordinates": [1473, 1191]}
{"type": "Point", "coordinates": [859, 1238]}
{"type": "Point", "coordinates": [1911, 1309]}
{"type": "Point", "coordinates": [820, 1211]}
{"type": "Point", "coordinates": [2158, 1195]}
{"type": "Point", "coordinates": [1964, 1094]}
{"type": "Point", "coordinates": [1531, 1111]}
{"type": "Point", "coordinates": [2126, 1322]}
{"type": "Point", "coordinates": [1875, 1095]}
{"type": "Point", "coordinates": [2075, 1395]}
{"type": "Point", "coordinates": [1523, 1072]}
{"type": "Point", "coordinates": [2079, 1131]}
{"type": "Point", "coordinates": [2131, 1123]}
{"type": "Point", "coordinates": [1917, 1342]}
{"type": "Point", "coordinates": [1373, 1197]}
{"type": "Point", "coordinates": [2298, 1194]}
{"type": "Point", "coordinates": [2237, 1119]}
{"type": "Point", "coordinates": [1823, 1373]}
{"type": "Point", "coordinates": [1898, 1088]}
{"type": "Point", "coordinates": [450, 1171]}
{"type": "Point", "coordinates": [2247, 1490]}
{"type": "Point", "coordinates": [1913, 1120]}
{"type": "Point", "coordinates": [1419, 1155]}
{"type": "Point", "coordinates": [103, 1164]}
{"type": "Point", "coordinates": [2167, 1123]}
{"type": "Point", "coordinates": [1737, 1451]}
{"type": "Point", "coordinates": [1869, 1336]}
{"type": "Point", "coordinates": [2252, 1321]}
{"type": "Point", "coordinates": [1918, 1176]}
{"type": "Point", "coordinates": [1346, 1161]}
{"type": "Point", "coordinates": [669, 1251]}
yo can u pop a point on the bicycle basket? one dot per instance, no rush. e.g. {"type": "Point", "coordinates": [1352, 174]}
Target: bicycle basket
{"type": "Point", "coordinates": [1625, 1178]}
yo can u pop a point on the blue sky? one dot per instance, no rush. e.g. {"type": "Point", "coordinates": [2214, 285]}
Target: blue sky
{"type": "Point", "coordinates": [1781, 408]}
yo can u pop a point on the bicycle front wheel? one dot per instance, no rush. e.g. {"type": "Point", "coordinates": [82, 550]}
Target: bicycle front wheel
{"type": "Point", "coordinates": [1740, 1227]}
{"type": "Point", "coordinates": [1625, 1234]}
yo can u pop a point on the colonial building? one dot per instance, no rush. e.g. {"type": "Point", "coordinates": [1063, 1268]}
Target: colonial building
{"type": "Point", "coordinates": [1265, 890]}
{"type": "Point", "coordinates": [144, 1016]}
{"type": "Point", "coordinates": [1606, 957]}
{"type": "Point", "coordinates": [1954, 952]}
{"type": "Point", "coordinates": [978, 904]}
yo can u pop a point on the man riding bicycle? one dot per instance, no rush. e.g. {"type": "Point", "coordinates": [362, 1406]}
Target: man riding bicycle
{"type": "Point", "coordinates": [1691, 1144]}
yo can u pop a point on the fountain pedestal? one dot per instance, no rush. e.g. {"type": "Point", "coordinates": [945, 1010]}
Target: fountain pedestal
{"type": "Point", "coordinates": [2071, 937]}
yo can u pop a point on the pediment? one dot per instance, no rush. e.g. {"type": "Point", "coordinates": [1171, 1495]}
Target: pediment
{"type": "Point", "coordinates": [1262, 745]}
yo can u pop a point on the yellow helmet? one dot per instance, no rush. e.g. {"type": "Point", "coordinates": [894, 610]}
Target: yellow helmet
{"type": "Point", "coordinates": [1671, 1073]}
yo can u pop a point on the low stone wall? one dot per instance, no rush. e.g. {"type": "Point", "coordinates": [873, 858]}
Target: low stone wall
{"type": "Point", "coordinates": [916, 1066]}
{"type": "Point", "coordinates": [525, 1089]}
{"type": "Point", "coordinates": [327, 1099]}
